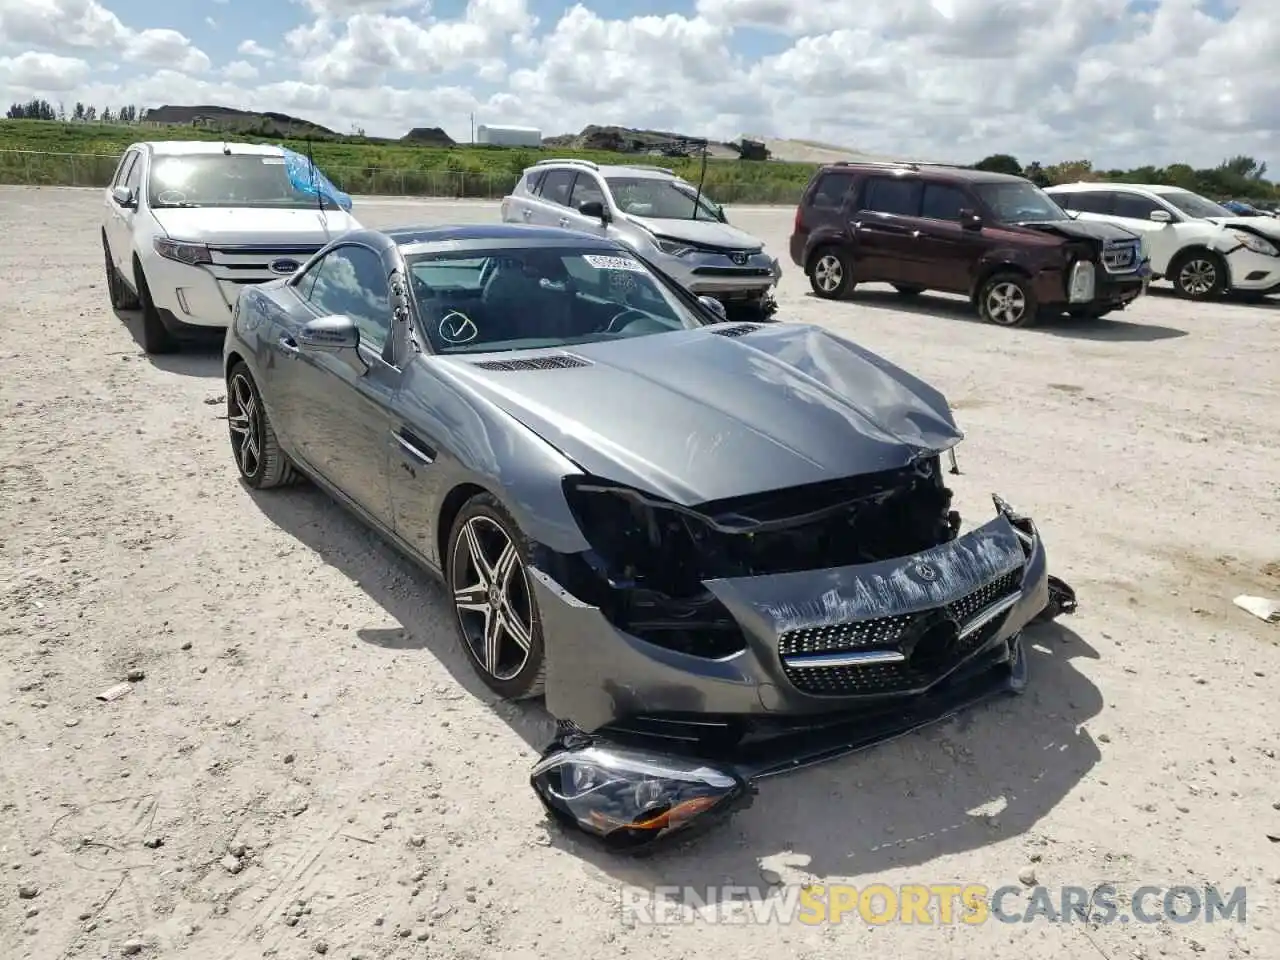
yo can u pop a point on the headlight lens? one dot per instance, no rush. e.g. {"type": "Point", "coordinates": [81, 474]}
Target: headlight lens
{"type": "Point", "coordinates": [631, 798]}
{"type": "Point", "coordinates": [183, 252]}
{"type": "Point", "coordinates": [1255, 243]}
{"type": "Point", "coordinates": [675, 248]}
{"type": "Point", "coordinates": [1083, 282]}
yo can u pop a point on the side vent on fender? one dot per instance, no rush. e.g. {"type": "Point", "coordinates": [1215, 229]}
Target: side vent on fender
{"type": "Point", "coordinates": [735, 330]}
{"type": "Point", "coordinates": [555, 361]}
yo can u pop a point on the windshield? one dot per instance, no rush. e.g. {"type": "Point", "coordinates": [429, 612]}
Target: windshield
{"type": "Point", "coordinates": [1020, 202]}
{"type": "Point", "coordinates": [220, 180]}
{"type": "Point", "coordinates": [518, 299]}
{"type": "Point", "coordinates": [660, 199]}
{"type": "Point", "coordinates": [1194, 205]}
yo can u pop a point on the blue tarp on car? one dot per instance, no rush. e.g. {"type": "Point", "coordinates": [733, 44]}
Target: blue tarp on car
{"type": "Point", "coordinates": [307, 178]}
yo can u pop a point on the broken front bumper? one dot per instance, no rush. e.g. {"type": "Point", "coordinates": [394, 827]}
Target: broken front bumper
{"type": "Point", "coordinates": [842, 641]}
{"type": "Point", "coordinates": [835, 661]}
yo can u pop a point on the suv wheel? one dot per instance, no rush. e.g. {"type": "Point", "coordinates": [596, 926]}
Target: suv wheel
{"type": "Point", "coordinates": [831, 274]}
{"type": "Point", "coordinates": [1198, 275]}
{"type": "Point", "coordinates": [1007, 300]}
{"type": "Point", "coordinates": [121, 296]}
{"type": "Point", "coordinates": [155, 336]}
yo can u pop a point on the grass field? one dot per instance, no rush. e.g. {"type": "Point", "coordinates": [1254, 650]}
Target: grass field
{"type": "Point", "coordinates": [85, 154]}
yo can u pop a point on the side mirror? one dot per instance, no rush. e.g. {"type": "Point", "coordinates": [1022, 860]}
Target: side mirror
{"type": "Point", "coordinates": [336, 335]}
{"type": "Point", "coordinates": [123, 196]}
{"type": "Point", "coordinates": [970, 220]}
{"type": "Point", "coordinates": [715, 306]}
{"type": "Point", "coordinates": [1160, 216]}
{"type": "Point", "coordinates": [595, 209]}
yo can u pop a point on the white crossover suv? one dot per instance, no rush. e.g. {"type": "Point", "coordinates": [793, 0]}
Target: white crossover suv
{"type": "Point", "coordinates": [661, 216]}
{"type": "Point", "coordinates": [1203, 248]}
{"type": "Point", "coordinates": [187, 223]}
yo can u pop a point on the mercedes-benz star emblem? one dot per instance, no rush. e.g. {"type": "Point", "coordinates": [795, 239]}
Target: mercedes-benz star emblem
{"type": "Point", "coordinates": [738, 257]}
{"type": "Point", "coordinates": [926, 572]}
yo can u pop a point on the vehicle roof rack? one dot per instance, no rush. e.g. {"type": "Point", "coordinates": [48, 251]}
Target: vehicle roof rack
{"type": "Point", "coordinates": [648, 166]}
{"type": "Point", "coordinates": [905, 164]}
{"type": "Point", "coordinates": [590, 164]}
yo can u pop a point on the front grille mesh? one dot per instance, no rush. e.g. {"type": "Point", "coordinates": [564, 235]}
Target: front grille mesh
{"type": "Point", "coordinates": [884, 633]}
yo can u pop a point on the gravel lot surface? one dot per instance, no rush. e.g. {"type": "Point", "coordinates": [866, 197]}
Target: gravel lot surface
{"type": "Point", "coordinates": [303, 764]}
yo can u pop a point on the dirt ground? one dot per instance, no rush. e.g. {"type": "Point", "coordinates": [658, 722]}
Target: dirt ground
{"type": "Point", "coordinates": [303, 764]}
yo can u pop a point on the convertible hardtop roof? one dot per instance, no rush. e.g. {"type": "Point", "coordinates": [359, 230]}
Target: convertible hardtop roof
{"type": "Point", "coordinates": [480, 235]}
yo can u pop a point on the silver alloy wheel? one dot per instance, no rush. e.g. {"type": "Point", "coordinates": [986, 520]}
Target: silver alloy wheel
{"type": "Point", "coordinates": [492, 596]}
{"type": "Point", "coordinates": [1006, 303]}
{"type": "Point", "coordinates": [242, 421]}
{"type": "Point", "coordinates": [828, 273]}
{"type": "Point", "coordinates": [1198, 277]}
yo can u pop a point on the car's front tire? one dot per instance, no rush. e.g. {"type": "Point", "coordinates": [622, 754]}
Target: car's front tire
{"type": "Point", "coordinates": [118, 292]}
{"type": "Point", "coordinates": [831, 273]}
{"type": "Point", "coordinates": [254, 444]}
{"type": "Point", "coordinates": [156, 337]}
{"type": "Point", "coordinates": [495, 609]}
{"type": "Point", "coordinates": [1198, 275]}
{"type": "Point", "coordinates": [1008, 300]}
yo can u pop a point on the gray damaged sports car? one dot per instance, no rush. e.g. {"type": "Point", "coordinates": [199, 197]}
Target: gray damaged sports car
{"type": "Point", "coordinates": [719, 550]}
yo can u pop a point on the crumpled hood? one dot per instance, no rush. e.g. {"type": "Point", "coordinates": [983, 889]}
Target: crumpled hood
{"type": "Point", "coordinates": [253, 224]}
{"type": "Point", "coordinates": [1084, 230]}
{"type": "Point", "coordinates": [706, 233]}
{"type": "Point", "coordinates": [696, 417]}
{"type": "Point", "coordinates": [1268, 227]}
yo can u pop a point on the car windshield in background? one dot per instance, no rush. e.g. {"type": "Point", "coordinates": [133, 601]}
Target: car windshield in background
{"type": "Point", "coordinates": [660, 199]}
{"type": "Point", "coordinates": [1020, 202]}
{"type": "Point", "coordinates": [1194, 205]}
{"type": "Point", "coordinates": [527, 298]}
{"type": "Point", "coordinates": [218, 180]}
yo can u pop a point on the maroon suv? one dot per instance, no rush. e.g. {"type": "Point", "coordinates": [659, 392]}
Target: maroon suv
{"type": "Point", "coordinates": [998, 239]}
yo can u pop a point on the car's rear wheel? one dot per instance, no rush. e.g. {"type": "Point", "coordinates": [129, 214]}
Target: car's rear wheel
{"type": "Point", "coordinates": [908, 289]}
{"type": "Point", "coordinates": [254, 443]}
{"type": "Point", "coordinates": [156, 338]}
{"type": "Point", "coordinates": [831, 274]}
{"type": "Point", "coordinates": [121, 297]}
{"type": "Point", "coordinates": [1198, 275]}
{"type": "Point", "coordinates": [1007, 300]}
{"type": "Point", "coordinates": [493, 599]}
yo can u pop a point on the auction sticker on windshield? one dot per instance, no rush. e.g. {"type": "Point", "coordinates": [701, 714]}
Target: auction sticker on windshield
{"type": "Point", "coordinates": [613, 263]}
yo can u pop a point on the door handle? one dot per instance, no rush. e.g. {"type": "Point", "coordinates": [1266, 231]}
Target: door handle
{"type": "Point", "coordinates": [916, 234]}
{"type": "Point", "coordinates": [288, 344]}
{"type": "Point", "coordinates": [564, 221]}
{"type": "Point", "coordinates": [857, 224]}
{"type": "Point", "coordinates": [409, 444]}
{"type": "Point", "coordinates": [527, 214]}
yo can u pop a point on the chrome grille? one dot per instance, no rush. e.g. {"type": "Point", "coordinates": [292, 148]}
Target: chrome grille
{"type": "Point", "coordinates": [238, 265]}
{"type": "Point", "coordinates": [883, 635]}
{"type": "Point", "coordinates": [1120, 256]}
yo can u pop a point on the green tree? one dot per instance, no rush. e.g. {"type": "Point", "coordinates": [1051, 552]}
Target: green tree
{"type": "Point", "coordinates": [1000, 163]}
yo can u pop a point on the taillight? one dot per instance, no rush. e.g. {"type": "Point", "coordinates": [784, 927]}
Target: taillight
{"type": "Point", "coordinates": [797, 227]}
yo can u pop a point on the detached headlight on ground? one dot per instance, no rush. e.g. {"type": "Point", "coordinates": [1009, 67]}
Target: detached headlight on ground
{"type": "Point", "coordinates": [1255, 243]}
{"type": "Point", "coordinates": [631, 798]}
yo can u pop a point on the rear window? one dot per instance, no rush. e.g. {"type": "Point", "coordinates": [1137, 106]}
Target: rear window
{"type": "Point", "coordinates": [892, 195]}
{"type": "Point", "coordinates": [1085, 201]}
{"type": "Point", "coordinates": [832, 190]}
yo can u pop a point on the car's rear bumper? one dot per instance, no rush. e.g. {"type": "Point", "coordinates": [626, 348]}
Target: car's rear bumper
{"type": "Point", "coordinates": [603, 680]}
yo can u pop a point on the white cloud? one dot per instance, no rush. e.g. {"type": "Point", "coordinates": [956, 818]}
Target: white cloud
{"type": "Point", "coordinates": [42, 72]}
{"type": "Point", "coordinates": [252, 48]}
{"type": "Point", "coordinates": [240, 70]}
{"type": "Point", "coordinates": [1117, 81]}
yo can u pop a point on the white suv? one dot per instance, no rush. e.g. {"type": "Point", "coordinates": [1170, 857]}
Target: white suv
{"type": "Point", "coordinates": [1201, 247]}
{"type": "Point", "coordinates": [187, 223]}
{"type": "Point", "coordinates": [662, 217]}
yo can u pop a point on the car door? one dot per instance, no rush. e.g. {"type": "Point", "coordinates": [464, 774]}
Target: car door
{"type": "Point", "coordinates": [519, 206]}
{"type": "Point", "coordinates": [882, 226]}
{"type": "Point", "coordinates": [553, 198]}
{"type": "Point", "coordinates": [946, 255]}
{"type": "Point", "coordinates": [338, 421]}
{"type": "Point", "coordinates": [586, 188]}
{"type": "Point", "coordinates": [1133, 212]}
{"type": "Point", "coordinates": [120, 219]}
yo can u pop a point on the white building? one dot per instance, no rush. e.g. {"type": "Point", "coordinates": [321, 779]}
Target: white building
{"type": "Point", "coordinates": [504, 136]}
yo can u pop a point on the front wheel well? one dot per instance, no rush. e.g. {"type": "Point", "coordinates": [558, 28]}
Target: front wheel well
{"type": "Point", "coordinates": [232, 359]}
{"type": "Point", "coordinates": [988, 271]}
{"type": "Point", "coordinates": [817, 250]}
{"type": "Point", "coordinates": [1194, 248]}
{"type": "Point", "coordinates": [452, 505]}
